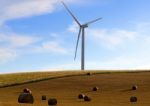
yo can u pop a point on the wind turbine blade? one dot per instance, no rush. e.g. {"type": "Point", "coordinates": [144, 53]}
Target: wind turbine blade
{"type": "Point", "coordinates": [71, 13]}
{"type": "Point", "coordinates": [92, 21]}
{"type": "Point", "coordinates": [77, 44]}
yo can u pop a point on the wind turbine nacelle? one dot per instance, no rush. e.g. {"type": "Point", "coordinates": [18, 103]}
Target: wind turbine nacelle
{"type": "Point", "coordinates": [85, 26]}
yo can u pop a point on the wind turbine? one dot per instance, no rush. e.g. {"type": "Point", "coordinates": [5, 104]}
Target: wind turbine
{"type": "Point", "coordinates": [81, 29]}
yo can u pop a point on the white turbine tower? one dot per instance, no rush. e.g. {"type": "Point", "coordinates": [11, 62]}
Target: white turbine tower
{"type": "Point", "coordinates": [81, 29]}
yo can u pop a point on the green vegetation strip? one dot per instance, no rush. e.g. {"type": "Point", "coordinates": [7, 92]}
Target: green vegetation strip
{"type": "Point", "coordinates": [7, 80]}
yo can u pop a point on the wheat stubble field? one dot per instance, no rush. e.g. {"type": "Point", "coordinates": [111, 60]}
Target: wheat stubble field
{"type": "Point", "coordinates": [114, 90]}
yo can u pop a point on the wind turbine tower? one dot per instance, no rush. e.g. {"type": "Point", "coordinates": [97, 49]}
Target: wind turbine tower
{"type": "Point", "coordinates": [81, 30]}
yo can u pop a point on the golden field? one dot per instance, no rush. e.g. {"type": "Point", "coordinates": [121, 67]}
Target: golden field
{"type": "Point", "coordinates": [114, 88]}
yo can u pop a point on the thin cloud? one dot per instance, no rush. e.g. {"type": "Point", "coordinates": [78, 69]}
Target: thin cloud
{"type": "Point", "coordinates": [52, 47]}
{"type": "Point", "coordinates": [73, 28]}
{"type": "Point", "coordinates": [26, 8]}
{"type": "Point", "coordinates": [11, 44]}
{"type": "Point", "coordinates": [7, 55]}
{"type": "Point", "coordinates": [121, 62]}
{"type": "Point", "coordinates": [14, 9]}
{"type": "Point", "coordinates": [14, 40]}
{"type": "Point", "coordinates": [137, 51]}
{"type": "Point", "coordinates": [64, 66]}
{"type": "Point", "coordinates": [114, 37]}
{"type": "Point", "coordinates": [19, 45]}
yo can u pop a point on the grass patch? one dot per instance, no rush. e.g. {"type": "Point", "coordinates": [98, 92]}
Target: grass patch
{"type": "Point", "coordinates": [7, 80]}
{"type": "Point", "coordinates": [23, 78]}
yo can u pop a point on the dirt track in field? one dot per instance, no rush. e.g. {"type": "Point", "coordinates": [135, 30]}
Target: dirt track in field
{"type": "Point", "coordinates": [114, 90]}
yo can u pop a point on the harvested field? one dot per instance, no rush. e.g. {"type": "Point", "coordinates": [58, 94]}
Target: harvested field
{"type": "Point", "coordinates": [115, 90]}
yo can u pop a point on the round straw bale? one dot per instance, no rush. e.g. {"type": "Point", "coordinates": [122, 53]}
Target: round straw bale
{"type": "Point", "coordinates": [87, 98]}
{"type": "Point", "coordinates": [43, 97]}
{"type": "Point", "coordinates": [26, 90]}
{"type": "Point", "coordinates": [134, 87]}
{"type": "Point", "coordinates": [95, 88]}
{"type": "Point", "coordinates": [52, 102]}
{"type": "Point", "coordinates": [25, 98]}
{"type": "Point", "coordinates": [88, 73]}
{"type": "Point", "coordinates": [133, 99]}
{"type": "Point", "coordinates": [81, 96]}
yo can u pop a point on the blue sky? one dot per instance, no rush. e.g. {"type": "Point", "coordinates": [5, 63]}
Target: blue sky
{"type": "Point", "coordinates": [40, 35]}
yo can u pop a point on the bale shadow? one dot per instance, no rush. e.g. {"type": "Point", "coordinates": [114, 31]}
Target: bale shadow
{"type": "Point", "coordinates": [126, 90]}
{"type": "Point", "coordinates": [87, 91]}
